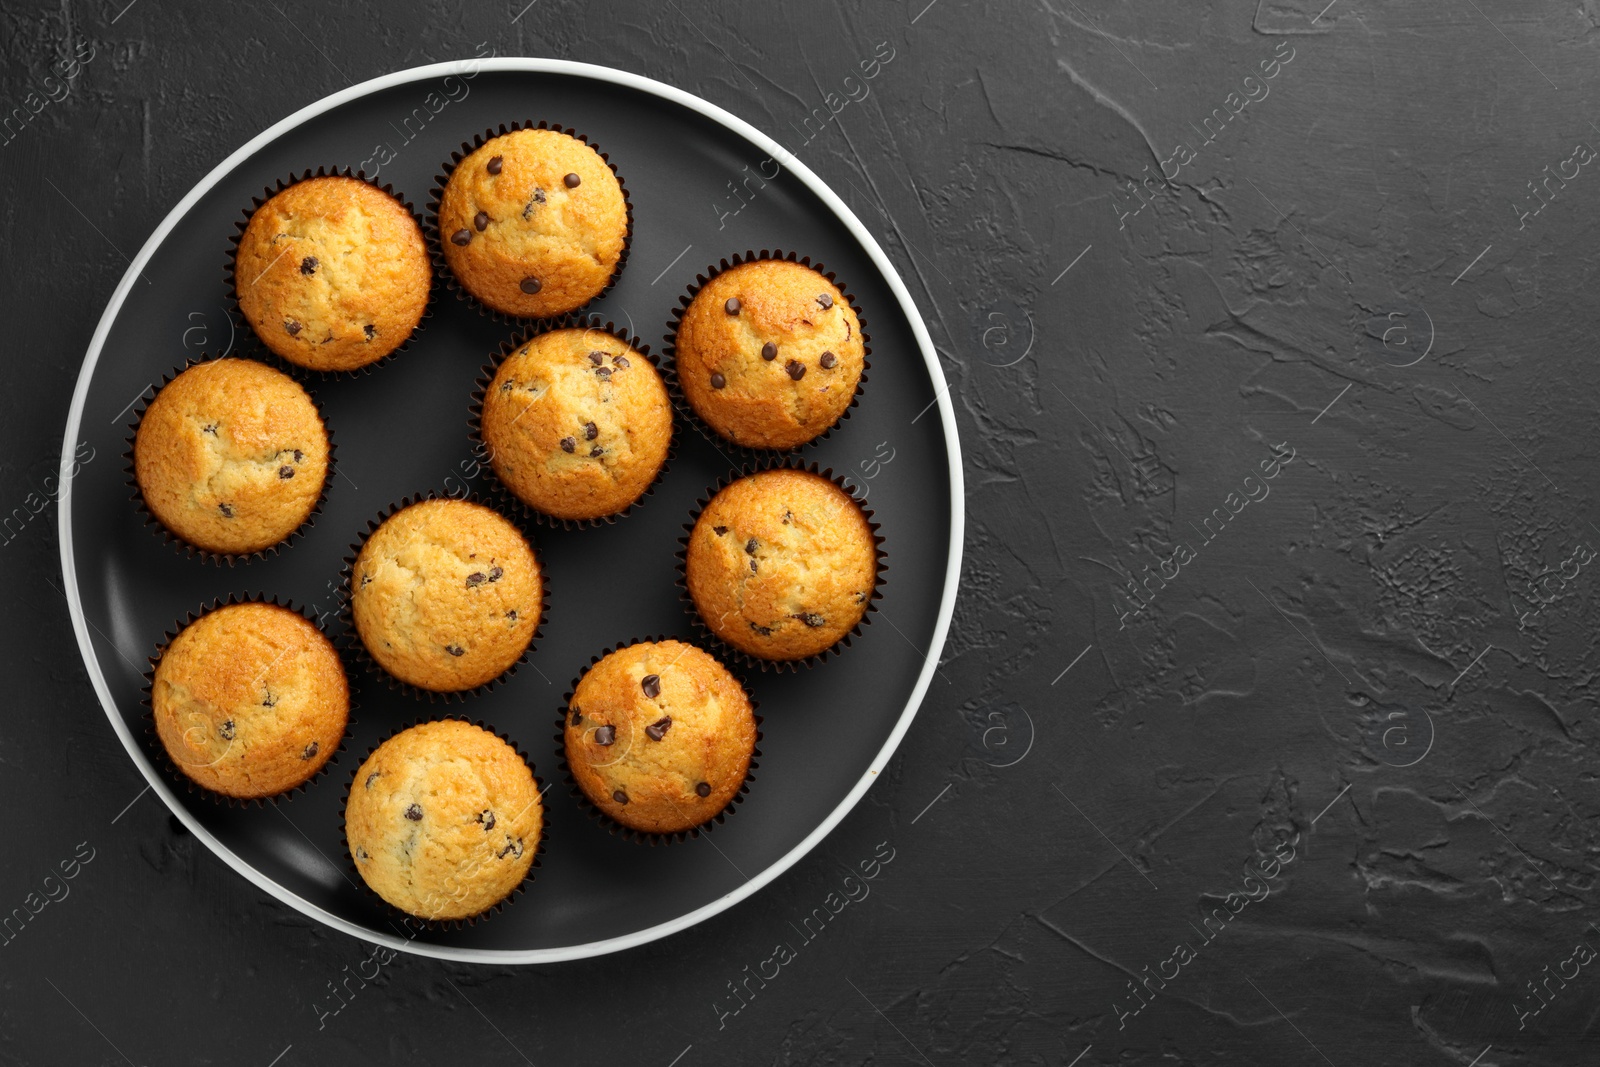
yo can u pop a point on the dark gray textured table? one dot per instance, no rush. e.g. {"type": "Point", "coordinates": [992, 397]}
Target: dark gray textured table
{"type": "Point", "coordinates": [1265, 730]}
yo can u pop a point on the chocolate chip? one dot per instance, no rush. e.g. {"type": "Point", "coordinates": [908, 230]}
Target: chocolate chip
{"type": "Point", "coordinates": [752, 566]}
{"type": "Point", "coordinates": [225, 731]}
{"type": "Point", "coordinates": [495, 163]}
{"type": "Point", "coordinates": [269, 701]}
{"type": "Point", "coordinates": [788, 516]}
{"type": "Point", "coordinates": [531, 286]}
{"type": "Point", "coordinates": [512, 614]}
{"type": "Point", "coordinates": [620, 362]}
{"type": "Point", "coordinates": [861, 598]}
{"type": "Point", "coordinates": [597, 358]}
{"type": "Point", "coordinates": [210, 428]}
{"type": "Point", "coordinates": [366, 580]}
{"type": "Point", "coordinates": [719, 530]}
{"type": "Point", "coordinates": [361, 853]}
{"type": "Point", "coordinates": [572, 181]}
{"type": "Point", "coordinates": [538, 197]}
{"type": "Point", "coordinates": [828, 360]}
{"type": "Point", "coordinates": [373, 777]}
{"type": "Point", "coordinates": [505, 387]}
{"type": "Point", "coordinates": [285, 472]}
{"type": "Point", "coordinates": [370, 330]}
{"type": "Point", "coordinates": [308, 265]}
{"type": "Point", "coordinates": [569, 444]}
{"type": "Point", "coordinates": [487, 818]}
{"type": "Point", "coordinates": [481, 221]}
{"type": "Point", "coordinates": [810, 618]}
{"type": "Point", "coordinates": [577, 717]}
{"type": "Point", "coordinates": [299, 455]}
{"type": "Point", "coordinates": [590, 431]}
{"type": "Point", "coordinates": [769, 351]}
{"type": "Point", "coordinates": [513, 848]}
{"type": "Point", "coordinates": [603, 373]}
{"type": "Point", "coordinates": [606, 735]}
{"type": "Point", "coordinates": [414, 813]}
{"type": "Point", "coordinates": [620, 797]}
{"type": "Point", "coordinates": [461, 237]}
{"type": "Point", "coordinates": [764, 631]}
{"type": "Point", "coordinates": [495, 573]}
{"type": "Point", "coordinates": [717, 380]}
{"type": "Point", "coordinates": [596, 452]}
{"type": "Point", "coordinates": [309, 752]}
{"type": "Point", "coordinates": [475, 578]}
{"type": "Point", "coordinates": [703, 789]}
{"type": "Point", "coordinates": [732, 306]}
{"type": "Point", "coordinates": [291, 327]}
{"type": "Point", "coordinates": [658, 729]}
{"type": "Point", "coordinates": [796, 369]}
{"type": "Point", "coordinates": [226, 509]}
{"type": "Point", "coordinates": [825, 301]}
{"type": "Point", "coordinates": [651, 684]}
{"type": "Point", "coordinates": [455, 650]}
{"type": "Point", "coordinates": [750, 546]}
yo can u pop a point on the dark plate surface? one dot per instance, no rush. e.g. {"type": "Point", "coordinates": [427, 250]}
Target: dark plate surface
{"type": "Point", "coordinates": [402, 430]}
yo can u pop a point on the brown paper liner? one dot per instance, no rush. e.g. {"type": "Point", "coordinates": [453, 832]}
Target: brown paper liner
{"type": "Point", "coordinates": [735, 453]}
{"type": "Point", "coordinates": [438, 925]}
{"type": "Point", "coordinates": [174, 772]}
{"type": "Point", "coordinates": [351, 641]}
{"type": "Point", "coordinates": [480, 449]}
{"type": "Point", "coordinates": [194, 551]}
{"type": "Point", "coordinates": [729, 652]}
{"type": "Point", "coordinates": [259, 348]}
{"type": "Point", "coordinates": [435, 238]}
{"type": "Point", "coordinates": [617, 829]}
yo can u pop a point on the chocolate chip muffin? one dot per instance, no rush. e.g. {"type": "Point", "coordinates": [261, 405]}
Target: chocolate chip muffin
{"type": "Point", "coordinates": [533, 223]}
{"type": "Point", "coordinates": [250, 700]}
{"type": "Point", "coordinates": [443, 820]}
{"type": "Point", "coordinates": [781, 564]}
{"type": "Point", "coordinates": [332, 273]}
{"type": "Point", "coordinates": [659, 735]}
{"type": "Point", "coordinates": [769, 354]}
{"type": "Point", "coordinates": [231, 456]}
{"type": "Point", "coordinates": [577, 423]}
{"type": "Point", "coordinates": [446, 595]}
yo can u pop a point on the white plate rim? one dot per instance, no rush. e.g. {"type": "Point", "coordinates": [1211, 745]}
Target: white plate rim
{"type": "Point", "coordinates": [778, 154]}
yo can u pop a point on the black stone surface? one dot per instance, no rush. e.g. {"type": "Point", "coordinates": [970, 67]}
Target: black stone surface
{"type": "Point", "coordinates": [1373, 683]}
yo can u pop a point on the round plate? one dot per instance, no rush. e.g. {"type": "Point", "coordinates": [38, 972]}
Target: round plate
{"type": "Point", "coordinates": [402, 430]}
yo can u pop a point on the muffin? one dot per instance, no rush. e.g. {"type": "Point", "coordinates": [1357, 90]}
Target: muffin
{"type": "Point", "coordinates": [533, 223]}
{"type": "Point", "coordinates": [231, 456]}
{"type": "Point", "coordinates": [659, 736]}
{"type": "Point", "coordinates": [577, 423]}
{"type": "Point", "coordinates": [446, 595]}
{"type": "Point", "coordinates": [332, 273]}
{"type": "Point", "coordinates": [769, 354]}
{"type": "Point", "coordinates": [443, 820]}
{"type": "Point", "coordinates": [781, 564]}
{"type": "Point", "coordinates": [250, 700]}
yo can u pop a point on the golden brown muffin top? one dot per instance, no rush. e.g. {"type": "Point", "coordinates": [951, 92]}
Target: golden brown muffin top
{"type": "Point", "coordinates": [332, 273]}
{"type": "Point", "coordinates": [443, 820]}
{"type": "Point", "coordinates": [250, 700]}
{"type": "Point", "coordinates": [231, 456]}
{"type": "Point", "coordinates": [769, 353]}
{"type": "Point", "coordinates": [577, 423]}
{"type": "Point", "coordinates": [781, 564]}
{"type": "Point", "coordinates": [446, 595]}
{"type": "Point", "coordinates": [533, 223]}
{"type": "Point", "coordinates": [659, 736]}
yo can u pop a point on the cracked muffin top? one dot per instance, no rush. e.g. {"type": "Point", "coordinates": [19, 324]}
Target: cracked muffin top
{"type": "Point", "coordinates": [231, 456]}
{"type": "Point", "coordinates": [250, 700]}
{"type": "Point", "coordinates": [533, 223]}
{"type": "Point", "coordinates": [443, 820]}
{"type": "Point", "coordinates": [332, 273]}
{"type": "Point", "coordinates": [577, 423]}
{"type": "Point", "coordinates": [659, 735]}
{"type": "Point", "coordinates": [769, 354]}
{"type": "Point", "coordinates": [781, 564]}
{"type": "Point", "coordinates": [446, 595]}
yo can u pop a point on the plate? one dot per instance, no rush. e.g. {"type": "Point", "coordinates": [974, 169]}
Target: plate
{"type": "Point", "coordinates": [698, 180]}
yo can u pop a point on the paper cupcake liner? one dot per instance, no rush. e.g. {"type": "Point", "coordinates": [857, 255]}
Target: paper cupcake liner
{"type": "Point", "coordinates": [727, 651]}
{"type": "Point", "coordinates": [617, 829]}
{"type": "Point", "coordinates": [439, 925]}
{"type": "Point", "coordinates": [253, 340]}
{"type": "Point", "coordinates": [735, 453]}
{"type": "Point", "coordinates": [159, 529]}
{"type": "Point", "coordinates": [153, 739]}
{"type": "Point", "coordinates": [350, 640]}
{"type": "Point", "coordinates": [436, 238]}
{"type": "Point", "coordinates": [503, 493]}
